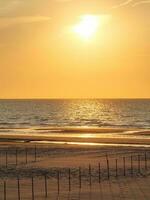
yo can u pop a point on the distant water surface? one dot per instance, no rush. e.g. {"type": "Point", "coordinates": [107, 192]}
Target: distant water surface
{"type": "Point", "coordinates": [30, 116]}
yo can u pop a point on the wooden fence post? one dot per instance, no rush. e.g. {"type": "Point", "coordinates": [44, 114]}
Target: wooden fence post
{"type": "Point", "coordinates": [108, 173]}
{"type": "Point", "coordinates": [45, 179]}
{"type": "Point", "coordinates": [99, 172]}
{"type": "Point", "coordinates": [69, 179]}
{"type": "Point", "coordinates": [124, 166]}
{"type": "Point", "coordinates": [145, 158]}
{"type": "Point", "coordinates": [18, 184]}
{"type": "Point", "coordinates": [5, 190]}
{"type": "Point", "coordinates": [58, 181]}
{"type": "Point", "coordinates": [35, 153]}
{"type": "Point", "coordinates": [139, 164]}
{"type": "Point", "coordinates": [16, 157]}
{"type": "Point", "coordinates": [6, 159]}
{"type": "Point", "coordinates": [116, 168]}
{"type": "Point", "coordinates": [80, 181]}
{"type": "Point", "coordinates": [131, 165]}
{"type": "Point", "coordinates": [26, 152]}
{"type": "Point", "coordinates": [90, 179]}
{"type": "Point", "coordinates": [32, 188]}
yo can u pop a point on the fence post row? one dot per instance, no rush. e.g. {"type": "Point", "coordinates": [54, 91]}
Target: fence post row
{"type": "Point", "coordinates": [139, 165]}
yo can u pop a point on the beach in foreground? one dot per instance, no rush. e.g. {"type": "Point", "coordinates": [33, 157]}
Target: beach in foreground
{"type": "Point", "coordinates": [45, 167]}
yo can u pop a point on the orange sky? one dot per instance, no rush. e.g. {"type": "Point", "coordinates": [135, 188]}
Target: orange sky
{"type": "Point", "coordinates": [42, 58]}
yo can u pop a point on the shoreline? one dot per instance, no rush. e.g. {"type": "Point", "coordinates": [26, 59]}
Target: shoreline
{"type": "Point", "coordinates": [83, 139]}
{"type": "Point", "coordinates": [90, 136]}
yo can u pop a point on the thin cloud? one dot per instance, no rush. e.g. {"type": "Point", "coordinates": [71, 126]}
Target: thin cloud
{"type": "Point", "coordinates": [141, 2]}
{"type": "Point", "coordinates": [132, 3]}
{"type": "Point", "coordinates": [10, 21]}
{"type": "Point", "coordinates": [125, 3]}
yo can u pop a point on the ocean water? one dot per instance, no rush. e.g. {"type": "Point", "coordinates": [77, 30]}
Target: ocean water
{"type": "Point", "coordinates": [36, 116]}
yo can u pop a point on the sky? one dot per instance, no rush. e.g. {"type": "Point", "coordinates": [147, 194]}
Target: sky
{"type": "Point", "coordinates": [41, 56]}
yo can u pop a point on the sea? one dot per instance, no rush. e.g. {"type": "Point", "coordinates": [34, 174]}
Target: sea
{"type": "Point", "coordinates": [46, 115]}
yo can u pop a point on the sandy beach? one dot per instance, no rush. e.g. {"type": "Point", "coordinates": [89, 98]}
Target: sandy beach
{"type": "Point", "coordinates": [86, 171]}
{"type": "Point", "coordinates": [74, 100]}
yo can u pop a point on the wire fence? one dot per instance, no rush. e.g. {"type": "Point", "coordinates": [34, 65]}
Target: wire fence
{"type": "Point", "coordinates": [17, 156]}
{"type": "Point", "coordinates": [127, 165]}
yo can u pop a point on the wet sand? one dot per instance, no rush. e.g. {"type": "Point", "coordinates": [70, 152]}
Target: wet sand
{"type": "Point", "coordinates": [83, 136]}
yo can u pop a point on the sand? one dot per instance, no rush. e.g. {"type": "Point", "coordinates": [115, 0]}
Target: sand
{"type": "Point", "coordinates": [99, 178]}
{"type": "Point", "coordinates": [51, 158]}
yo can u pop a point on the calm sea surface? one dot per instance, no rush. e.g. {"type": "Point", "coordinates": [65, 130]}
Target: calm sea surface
{"type": "Point", "coordinates": [27, 116]}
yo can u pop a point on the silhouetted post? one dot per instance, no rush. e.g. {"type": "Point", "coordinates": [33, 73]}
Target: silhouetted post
{"type": "Point", "coordinates": [16, 156]}
{"type": "Point", "coordinates": [58, 181]}
{"type": "Point", "coordinates": [69, 173]}
{"type": "Point", "coordinates": [4, 190]}
{"type": "Point", "coordinates": [108, 173]}
{"type": "Point", "coordinates": [80, 183]}
{"type": "Point", "coordinates": [139, 164]}
{"type": "Point", "coordinates": [145, 158]}
{"type": "Point", "coordinates": [90, 180]}
{"type": "Point", "coordinates": [6, 159]}
{"type": "Point", "coordinates": [99, 172]}
{"type": "Point", "coordinates": [18, 184]}
{"type": "Point", "coordinates": [131, 165]}
{"type": "Point", "coordinates": [32, 188]}
{"type": "Point", "coordinates": [124, 166]}
{"type": "Point", "coordinates": [35, 153]}
{"type": "Point", "coordinates": [45, 179]}
{"type": "Point", "coordinates": [116, 168]}
{"type": "Point", "coordinates": [26, 152]}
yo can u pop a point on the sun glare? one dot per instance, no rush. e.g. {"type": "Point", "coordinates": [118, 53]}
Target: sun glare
{"type": "Point", "coordinates": [87, 26]}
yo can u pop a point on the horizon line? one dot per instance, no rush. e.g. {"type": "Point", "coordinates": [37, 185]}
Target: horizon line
{"type": "Point", "coordinates": [120, 98]}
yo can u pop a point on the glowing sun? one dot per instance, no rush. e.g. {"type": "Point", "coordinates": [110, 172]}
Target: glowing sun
{"type": "Point", "coordinates": [87, 26]}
